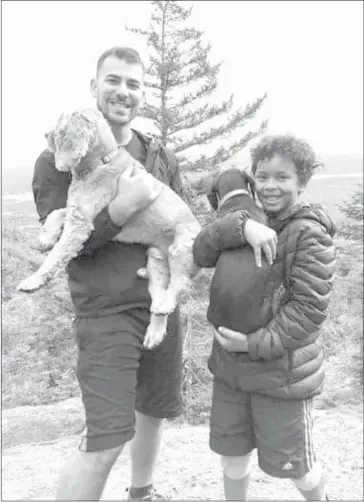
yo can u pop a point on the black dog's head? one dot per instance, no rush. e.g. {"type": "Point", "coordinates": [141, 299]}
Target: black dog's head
{"type": "Point", "coordinates": [223, 182]}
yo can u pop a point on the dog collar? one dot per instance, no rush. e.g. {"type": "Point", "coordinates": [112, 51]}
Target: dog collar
{"type": "Point", "coordinates": [240, 191]}
{"type": "Point", "coordinates": [108, 158]}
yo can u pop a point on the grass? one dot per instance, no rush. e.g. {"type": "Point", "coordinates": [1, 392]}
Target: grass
{"type": "Point", "coordinates": [39, 351]}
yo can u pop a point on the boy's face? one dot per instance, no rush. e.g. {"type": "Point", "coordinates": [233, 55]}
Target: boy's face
{"type": "Point", "coordinates": [118, 89]}
{"type": "Point", "coordinates": [277, 184]}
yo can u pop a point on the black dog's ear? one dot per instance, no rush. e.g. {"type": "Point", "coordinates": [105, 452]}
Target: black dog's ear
{"type": "Point", "coordinates": [250, 182]}
{"type": "Point", "coordinates": [213, 200]}
{"type": "Point", "coordinates": [212, 193]}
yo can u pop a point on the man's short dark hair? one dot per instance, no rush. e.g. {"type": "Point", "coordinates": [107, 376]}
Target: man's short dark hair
{"type": "Point", "coordinates": [124, 53]}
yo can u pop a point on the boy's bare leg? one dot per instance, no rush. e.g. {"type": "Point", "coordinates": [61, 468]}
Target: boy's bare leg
{"type": "Point", "coordinates": [312, 485]}
{"type": "Point", "coordinates": [236, 489]}
{"type": "Point", "coordinates": [236, 476]}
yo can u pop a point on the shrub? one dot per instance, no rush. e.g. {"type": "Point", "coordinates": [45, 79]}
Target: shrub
{"type": "Point", "coordinates": [352, 228]}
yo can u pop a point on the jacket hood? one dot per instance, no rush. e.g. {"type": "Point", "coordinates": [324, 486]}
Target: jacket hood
{"type": "Point", "coordinates": [306, 211]}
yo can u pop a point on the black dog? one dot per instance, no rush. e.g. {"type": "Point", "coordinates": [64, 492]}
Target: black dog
{"type": "Point", "coordinates": [238, 287]}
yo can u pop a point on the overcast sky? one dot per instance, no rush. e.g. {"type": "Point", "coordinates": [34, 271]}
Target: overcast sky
{"type": "Point", "coordinates": [308, 57]}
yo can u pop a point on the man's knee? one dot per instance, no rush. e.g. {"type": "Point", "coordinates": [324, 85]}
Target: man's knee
{"type": "Point", "coordinates": [237, 467]}
{"type": "Point", "coordinates": [100, 461]}
{"type": "Point", "coordinates": [147, 422]}
{"type": "Point", "coordinates": [311, 479]}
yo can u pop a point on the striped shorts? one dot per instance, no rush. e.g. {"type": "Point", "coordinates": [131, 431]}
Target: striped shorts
{"type": "Point", "coordinates": [280, 430]}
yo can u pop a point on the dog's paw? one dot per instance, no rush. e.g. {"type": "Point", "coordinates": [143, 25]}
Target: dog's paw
{"type": "Point", "coordinates": [31, 283]}
{"type": "Point", "coordinates": [156, 331]}
{"type": "Point", "coordinates": [153, 337]}
{"type": "Point", "coordinates": [165, 307]}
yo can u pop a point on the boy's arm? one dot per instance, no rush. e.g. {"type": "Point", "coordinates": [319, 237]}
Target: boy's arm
{"type": "Point", "coordinates": [225, 233]}
{"type": "Point", "coordinates": [298, 321]}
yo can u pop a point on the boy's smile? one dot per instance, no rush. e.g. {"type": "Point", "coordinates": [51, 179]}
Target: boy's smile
{"type": "Point", "coordinates": [277, 184]}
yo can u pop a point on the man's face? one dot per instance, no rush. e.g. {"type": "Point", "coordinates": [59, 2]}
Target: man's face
{"type": "Point", "coordinates": [118, 89]}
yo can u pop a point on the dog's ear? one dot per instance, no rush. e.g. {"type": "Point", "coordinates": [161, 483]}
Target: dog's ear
{"type": "Point", "coordinates": [212, 192]}
{"type": "Point", "coordinates": [50, 140]}
{"type": "Point", "coordinates": [213, 199]}
{"type": "Point", "coordinates": [249, 180]}
{"type": "Point", "coordinates": [76, 134]}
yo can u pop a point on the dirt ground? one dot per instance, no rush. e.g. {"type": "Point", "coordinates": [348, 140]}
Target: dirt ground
{"type": "Point", "coordinates": [38, 440]}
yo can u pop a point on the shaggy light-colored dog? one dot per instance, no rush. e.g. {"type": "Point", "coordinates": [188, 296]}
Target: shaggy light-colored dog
{"type": "Point", "coordinates": [84, 144]}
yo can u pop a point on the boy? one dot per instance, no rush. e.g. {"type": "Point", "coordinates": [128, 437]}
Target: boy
{"type": "Point", "coordinates": [264, 381]}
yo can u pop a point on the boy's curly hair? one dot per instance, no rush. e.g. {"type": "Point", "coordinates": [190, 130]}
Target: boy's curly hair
{"type": "Point", "coordinates": [290, 147]}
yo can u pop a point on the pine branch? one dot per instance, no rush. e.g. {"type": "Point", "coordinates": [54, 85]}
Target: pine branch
{"type": "Point", "coordinates": [239, 119]}
{"type": "Point", "coordinates": [201, 115]}
{"type": "Point", "coordinates": [204, 91]}
{"type": "Point", "coordinates": [222, 154]}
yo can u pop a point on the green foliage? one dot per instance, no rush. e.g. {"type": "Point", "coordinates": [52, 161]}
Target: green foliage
{"type": "Point", "coordinates": [353, 210]}
{"type": "Point", "coordinates": [180, 83]}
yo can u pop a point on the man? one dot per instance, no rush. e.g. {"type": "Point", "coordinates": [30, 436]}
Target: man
{"type": "Point", "coordinates": [125, 390]}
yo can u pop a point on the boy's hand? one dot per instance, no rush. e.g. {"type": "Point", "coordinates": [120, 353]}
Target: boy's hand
{"type": "Point", "coordinates": [261, 238]}
{"type": "Point", "coordinates": [135, 191]}
{"type": "Point", "coordinates": [232, 341]}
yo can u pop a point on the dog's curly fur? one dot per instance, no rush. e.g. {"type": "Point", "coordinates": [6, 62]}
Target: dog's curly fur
{"type": "Point", "coordinates": [80, 143]}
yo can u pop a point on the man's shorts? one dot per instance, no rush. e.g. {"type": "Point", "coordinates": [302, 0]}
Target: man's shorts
{"type": "Point", "coordinates": [281, 430]}
{"type": "Point", "coordinates": [118, 376]}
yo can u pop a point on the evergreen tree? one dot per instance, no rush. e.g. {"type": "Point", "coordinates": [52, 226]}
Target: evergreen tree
{"type": "Point", "coordinates": [180, 81]}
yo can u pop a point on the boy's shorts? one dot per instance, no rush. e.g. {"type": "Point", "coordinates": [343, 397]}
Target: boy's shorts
{"type": "Point", "coordinates": [117, 376]}
{"type": "Point", "coordinates": [281, 430]}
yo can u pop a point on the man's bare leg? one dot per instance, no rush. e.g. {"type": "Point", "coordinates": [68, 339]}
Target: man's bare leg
{"type": "Point", "coordinates": [144, 449]}
{"type": "Point", "coordinates": [85, 474]}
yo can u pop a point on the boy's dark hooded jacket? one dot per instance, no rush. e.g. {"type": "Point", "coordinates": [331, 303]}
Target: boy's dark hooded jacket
{"type": "Point", "coordinates": [285, 358]}
{"type": "Point", "coordinates": [103, 279]}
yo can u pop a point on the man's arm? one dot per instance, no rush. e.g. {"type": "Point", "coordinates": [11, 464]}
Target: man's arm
{"type": "Point", "coordinates": [298, 321]}
{"type": "Point", "coordinates": [50, 190]}
{"type": "Point", "coordinates": [50, 187]}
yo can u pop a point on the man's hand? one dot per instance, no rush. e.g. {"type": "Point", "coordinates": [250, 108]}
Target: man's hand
{"type": "Point", "coordinates": [135, 191]}
{"type": "Point", "coordinates": [232, 341]}
{"type": "Point", "coordinates": [142, 273]}
{"type": "Point", "coordinates": [261, 238]}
